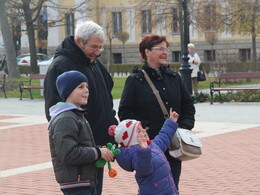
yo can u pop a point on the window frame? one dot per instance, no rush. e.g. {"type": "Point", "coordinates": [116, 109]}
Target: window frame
{"type": "Point", "coordinates": [146, 22]}
{"type": "Point", "coordinates": [70, 26]}
{"type": "Point", "coordinates": [175, 21]}
{"type": "Point", "coordinates": [176, 54]}
{"type": "Point", "coordinates": [117, 22]}
{"type": "Point", "coordinates": [117, 58]}
{"type": "Point", "coordinates": [244, 54]}
{"type": "Point", "coordinates": [208, 55]}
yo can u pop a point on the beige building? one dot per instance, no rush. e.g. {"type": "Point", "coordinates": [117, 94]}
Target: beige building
{"type": "Point", "coordinates": [138, 20]}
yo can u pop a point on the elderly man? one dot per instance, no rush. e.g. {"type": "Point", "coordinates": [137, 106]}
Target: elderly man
{"type": "Point", "coordinates": [80, 53]}
{"type": "Point", "coordinates": [194, 62]}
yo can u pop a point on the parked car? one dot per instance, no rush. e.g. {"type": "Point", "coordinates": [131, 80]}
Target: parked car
{"type": "Point", "coordinates": [46, 62]}
{"type": "Point", "coordinates": [24, 59]}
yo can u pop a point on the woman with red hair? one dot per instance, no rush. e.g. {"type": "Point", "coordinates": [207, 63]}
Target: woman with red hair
{"type": "Point", "coordinates": [139, 102]}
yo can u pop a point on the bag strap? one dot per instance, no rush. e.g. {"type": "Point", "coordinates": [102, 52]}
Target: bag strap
{"type": "Point", "coordinates": [157, 95]}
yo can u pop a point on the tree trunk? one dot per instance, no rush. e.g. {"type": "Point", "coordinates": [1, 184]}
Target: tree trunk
{"type": "Point", "coordinates": [12, 67]}
{"type": "Point", "coordinates": [124, 55]}
{"type": "Point", "coordinates": [254, 67]}
{"type": "Point", "coordinates": [254, 53]}
{"type": "Point", "coordinates": [31, 36]}
{"type": "Point", "coordinates": [110, 54]}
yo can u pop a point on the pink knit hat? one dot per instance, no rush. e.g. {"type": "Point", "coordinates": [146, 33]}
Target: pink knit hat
{"type": "Point", "coordinates": [126, 132]}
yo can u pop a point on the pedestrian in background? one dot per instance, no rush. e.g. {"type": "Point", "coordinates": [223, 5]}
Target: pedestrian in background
{"type": "Point", "coordinates": [80, 53]}
{"type": "Point", "coordinates": [72, 146]}
{"type": "Point", "coordinates": [139, 102]}
{"type": "Point", "coordinates": [194, 62]}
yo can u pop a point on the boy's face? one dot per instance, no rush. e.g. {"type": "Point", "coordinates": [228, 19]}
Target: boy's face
{"type": "Point", "coordinates": [79, 96]}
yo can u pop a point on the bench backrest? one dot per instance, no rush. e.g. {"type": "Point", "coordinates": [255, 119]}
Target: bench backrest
{"type": "Point", "coordinates": [239, 75]}
{"type": "Point", "coordinates": [37, 76]}
{"type": "Point", "coordinates": [2, 64]}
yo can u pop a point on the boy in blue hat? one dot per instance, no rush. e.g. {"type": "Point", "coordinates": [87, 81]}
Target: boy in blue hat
{"type": "Point", "coordinates": [73, 149]}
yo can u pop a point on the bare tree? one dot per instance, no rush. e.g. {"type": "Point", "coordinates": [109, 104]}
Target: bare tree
{"type": "Point", "coordinates": [12, 68]}
{"type": "Point", "coordinates": [82, 8]}
{"type": "Point", "coordinates": [29, 11]}
{"type": "Point", "coordinates": [110, 35]}
{"type": "Point", "coordinates": [123, 37]}
{"type": "Point", "coordinates": [209, 22]}
{"type": "Point", "coordinates": [165, 9]}
{"type": "Point", "coordinates": [243, 17]}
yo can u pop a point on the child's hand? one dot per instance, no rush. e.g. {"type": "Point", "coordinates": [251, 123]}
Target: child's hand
{"type": "Point", "coordinates": [173, 115]}
{"type": "Point", "coordinates": [111, 130]}
{"type": "Point", "coordinates": [142, 137]}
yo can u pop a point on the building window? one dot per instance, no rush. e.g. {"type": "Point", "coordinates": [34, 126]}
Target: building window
{"type": "Point", "coordinates": [69, 24]}
{"type": "Point", "coordinates": [117, 58]}
{"type": "Point", "coordinates": [209, 55]}
{"type": "Point", "coordinates": [146, 22]}
{"type": "Point", "coordinates": [117, 22]}
{"type": "Point", "coordinates": [244, 55]}
{"type": "Point", "coordinates": [244, 18]}
{"type": "Point", "coordinates": [176, 56]}
{"type": "Point", "coordinates": [175, 21]}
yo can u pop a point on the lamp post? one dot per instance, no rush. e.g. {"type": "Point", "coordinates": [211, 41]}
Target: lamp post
{"type": "Point", "coordinates": [185, 67]}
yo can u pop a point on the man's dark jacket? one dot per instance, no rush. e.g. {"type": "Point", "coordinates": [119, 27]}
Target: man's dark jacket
{"type": "Point", "coordinates": [100, 113]}
{"type": "Point", "coordinates": [138, 101]}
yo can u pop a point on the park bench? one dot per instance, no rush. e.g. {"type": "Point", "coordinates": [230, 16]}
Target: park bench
{"type": "Point", "coordinates": [2, 83]}
{"type": "Point", "coordinates": [3, 63]}
{"type": "Point", "coordinates": [233, 75]}
{"type": "Point", "coordinates": [27, 85]}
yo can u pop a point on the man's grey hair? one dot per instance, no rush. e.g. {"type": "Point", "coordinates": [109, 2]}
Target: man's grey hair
{"type": "Point", "coordinates": [85, 30]}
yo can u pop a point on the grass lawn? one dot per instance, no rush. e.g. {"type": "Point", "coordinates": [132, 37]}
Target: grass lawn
{"type": "Point", "coordinates": [119, 83]}
{"type": "Point", "coordinates": [12, 87]}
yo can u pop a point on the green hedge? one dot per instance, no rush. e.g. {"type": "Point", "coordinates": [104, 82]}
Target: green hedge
{"type": "Point", "coordinates": [126, 68]}
{"type": "Point", "coordinates": [122, 68]}
{"type": "Point", "coordinates": [238, 96]}
{"type": "Point", "coordinates": [26, 70]}
{"type": "Point", "coordinates": [240, 66]}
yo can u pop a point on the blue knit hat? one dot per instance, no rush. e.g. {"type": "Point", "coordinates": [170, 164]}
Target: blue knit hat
{"type": "Point", "coordinates": [68, 81]}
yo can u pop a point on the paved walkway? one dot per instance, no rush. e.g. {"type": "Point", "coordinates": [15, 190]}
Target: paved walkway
{"type": "Point", "coordinates": [230, 134]}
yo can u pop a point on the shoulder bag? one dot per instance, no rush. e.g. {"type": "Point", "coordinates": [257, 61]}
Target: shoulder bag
{"type": "Point", "coordinates": [185, 144]}
{"type": "Point", "coordinates": [201, 76]}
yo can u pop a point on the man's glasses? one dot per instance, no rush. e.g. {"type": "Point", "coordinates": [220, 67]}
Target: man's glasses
{"type": "Point", "coordinates": [161, 49]}
{"type": "Point", "coordinates": [97, 49]}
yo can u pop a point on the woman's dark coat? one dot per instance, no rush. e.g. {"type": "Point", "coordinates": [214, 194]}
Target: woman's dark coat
{"type": "Point", "coordinates": [138, 101]}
